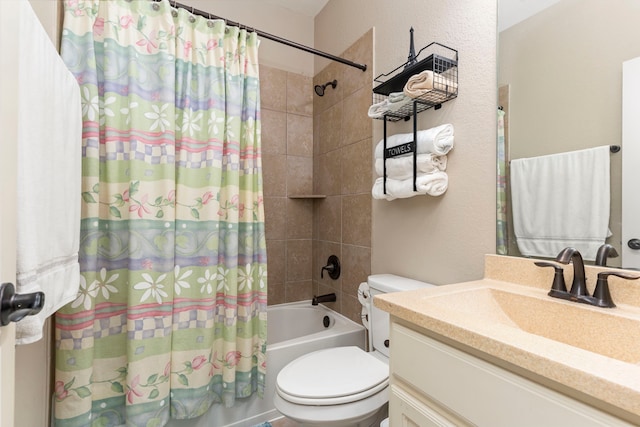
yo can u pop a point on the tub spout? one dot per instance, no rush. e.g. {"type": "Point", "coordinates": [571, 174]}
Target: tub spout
{"type": "Point", "coordinates": [323, 298]}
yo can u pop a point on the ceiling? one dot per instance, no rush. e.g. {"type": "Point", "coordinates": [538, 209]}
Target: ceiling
{"type": "Point", "coordinates": [304, 7]}
{"type": "Point", "coordinates": [510, 12]}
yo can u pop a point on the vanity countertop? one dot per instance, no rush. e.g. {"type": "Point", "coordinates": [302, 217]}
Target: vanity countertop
{"type": "Point", "coordinates": [589, 353]}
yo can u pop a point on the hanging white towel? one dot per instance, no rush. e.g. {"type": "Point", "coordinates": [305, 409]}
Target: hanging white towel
{"type": "Point", "coordinates": [432, 184]}
{"type": "Point", "coordinates": [402, 167]}
{"type": "Point", "coordinates": [561, 200]}
{"type": "Point", "coordinates": [49, 174]}
{"type": "Point", "coordinates": [437, 140]}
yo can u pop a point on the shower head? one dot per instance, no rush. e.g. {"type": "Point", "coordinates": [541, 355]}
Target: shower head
{"type": "Point", "coordinates": [320, 88]}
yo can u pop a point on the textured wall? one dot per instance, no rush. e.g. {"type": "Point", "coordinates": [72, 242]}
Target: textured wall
{"type": "Point", "coordinates": [440, 240]}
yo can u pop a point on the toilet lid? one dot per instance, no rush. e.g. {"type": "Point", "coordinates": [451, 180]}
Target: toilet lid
{"type": "Point", "coordinates": [332, 376]}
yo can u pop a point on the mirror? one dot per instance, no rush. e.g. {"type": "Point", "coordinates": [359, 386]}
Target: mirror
{"type": "Point", "coordinates": [560, 80]}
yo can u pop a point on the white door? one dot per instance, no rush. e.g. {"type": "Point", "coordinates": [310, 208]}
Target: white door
{"type": "Point", "coordinates": [8, 157]}
{"type": "Point", "coordinates": [630, 163]}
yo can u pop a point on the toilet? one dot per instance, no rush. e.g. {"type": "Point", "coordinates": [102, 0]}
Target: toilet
{"type": "Point", "coordinates": [344, 386]}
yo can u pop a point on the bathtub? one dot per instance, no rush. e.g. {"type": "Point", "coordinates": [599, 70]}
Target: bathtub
{"type": "Point", "coordinates": [293, 329]}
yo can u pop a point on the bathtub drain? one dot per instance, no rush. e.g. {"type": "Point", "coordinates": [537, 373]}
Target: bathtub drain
{"type": "Point", "coordinates": [326, 321]}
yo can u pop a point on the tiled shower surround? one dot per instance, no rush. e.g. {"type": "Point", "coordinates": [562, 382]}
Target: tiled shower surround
{"type": "Point", "coordinates": [318, 145]}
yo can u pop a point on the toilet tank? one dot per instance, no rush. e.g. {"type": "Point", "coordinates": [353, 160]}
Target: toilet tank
{"type": "Point", "coordinates": [378, 319]}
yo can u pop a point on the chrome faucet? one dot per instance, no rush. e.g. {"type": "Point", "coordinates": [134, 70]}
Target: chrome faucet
{"type": "Point", "coordinates": [579, 284]}
{"type": "Point", "coordinates": [605, 251]}
{"type": "Point", "coordinates": [323, 298]}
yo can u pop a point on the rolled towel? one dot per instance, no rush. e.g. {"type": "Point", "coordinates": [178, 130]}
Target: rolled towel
{"type": "Point", "coordinates": [392, 104]}
{"type": "Point", "coordinates": [419, 84]}
{"type": "Point", "coordinates": [432, 184]}
{"type": "Point", "coordinates": [402, 167]}
{"type": "Point", "coordinates": [426, 81]}
{"type": "Point", "coordinates": [394, 107]}
{"type": "Point", "coordinates": [437, 140]}
{"type": "Point", "coordinates": [396, 97]}
{"type": "Point", "coordinates": [378, 109]}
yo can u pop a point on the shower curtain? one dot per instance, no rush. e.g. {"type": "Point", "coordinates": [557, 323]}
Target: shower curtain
{"type": "Point", "coordinates": [171, 316]}
{"type": "Point", "coordinates": [501, 189]}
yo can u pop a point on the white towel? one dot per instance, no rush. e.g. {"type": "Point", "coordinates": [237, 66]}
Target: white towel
{"type": "Point", "coordinates": [378, 109]}
{"type": "Point", "coordinates": [432, 184]}
{"type": "Point", "coordinates": [402, 167]}
{"type": "Point", "coordinates": [397, 97]}
{"type": "Point", "coordinates": [561, 200]}
{"type": "Point", "coordinates": [437, 140]}
{"type": "Point", "coordinates": [392, 104]}
{"type": "Point", "coordinates": [49, 174]}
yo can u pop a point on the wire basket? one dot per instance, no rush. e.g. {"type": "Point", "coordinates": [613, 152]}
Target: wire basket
{"type": "Point", "coordinates": [442, 64]}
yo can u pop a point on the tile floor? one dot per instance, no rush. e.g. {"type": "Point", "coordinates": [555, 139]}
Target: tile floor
{"type": "Point", "coordinates": [284, 422]}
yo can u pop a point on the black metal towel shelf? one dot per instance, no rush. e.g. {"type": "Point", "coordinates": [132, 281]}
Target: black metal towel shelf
{"type": "Point", "coordinates": [442, 61]}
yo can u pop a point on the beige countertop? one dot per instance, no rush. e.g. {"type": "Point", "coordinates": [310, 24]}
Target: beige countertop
{"type": "Point", "coordinates": [589, 353]}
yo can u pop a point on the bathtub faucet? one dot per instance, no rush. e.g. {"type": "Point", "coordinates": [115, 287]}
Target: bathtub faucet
{"type": "Point", "coordinates": [323, 298]}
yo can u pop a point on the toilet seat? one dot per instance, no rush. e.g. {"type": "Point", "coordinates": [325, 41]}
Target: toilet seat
{"type": "Point", "coordinates": [332, 376]}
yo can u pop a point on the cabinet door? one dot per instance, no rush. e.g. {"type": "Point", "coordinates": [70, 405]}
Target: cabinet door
{"type": "Point", "coordinates": [408, 411]}
{"type": "Point", "coordinates": [480, 392]}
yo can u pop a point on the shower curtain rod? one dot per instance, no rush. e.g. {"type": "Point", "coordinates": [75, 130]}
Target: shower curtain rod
{"type": "Point", "coordinates": [275, 38]}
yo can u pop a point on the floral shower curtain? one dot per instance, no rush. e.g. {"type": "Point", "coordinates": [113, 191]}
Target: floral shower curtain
{"type": "Point", "coordinates": [171, 317]}
{"type": "Point", "coordinates": [501, 189]}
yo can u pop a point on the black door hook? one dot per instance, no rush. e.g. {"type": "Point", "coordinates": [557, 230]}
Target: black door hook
{"type": "Point", "coordinates": [14, 307]}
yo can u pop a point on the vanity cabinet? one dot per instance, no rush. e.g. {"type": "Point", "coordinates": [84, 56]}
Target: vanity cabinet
{"type": "Point", "coordinates": [436, 385]}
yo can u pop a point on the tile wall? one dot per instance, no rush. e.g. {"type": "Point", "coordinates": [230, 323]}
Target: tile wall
{"type": "Point", "coordinates": [318, 145]}
{"type": "Point", "coordinates": [343, 172]}
{"type": "Point", "coordinates": [287, 147]}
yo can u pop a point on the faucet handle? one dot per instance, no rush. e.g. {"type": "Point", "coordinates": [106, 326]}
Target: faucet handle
{"type": "Point", "coordinates": [558, 278]}
{"type": "Point", "coordinates": [332, 267]}
{"type": "Point", "coordinates": [601, 294]}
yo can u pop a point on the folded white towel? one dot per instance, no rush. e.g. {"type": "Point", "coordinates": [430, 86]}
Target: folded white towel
{"type": "Point", "coordinates": [396, 97]}
{"type": "Point", "coordinates": [437, 140]}
{"type": "Point", "coordinates": [49, 175]}
{"type": "Point", "coordinates": [392, 104]}
{"type": "Point", "coordinates": [432, 184]}
{"type": "Point", "coordinates": [377, 110]}
{"type": "Point", "coordinates": [561, 200]}
{"type": "Point", "coordinates": [402, 167]}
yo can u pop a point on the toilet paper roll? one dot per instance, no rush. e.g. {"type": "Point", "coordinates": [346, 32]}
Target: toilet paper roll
{"type": "Point", "coordinates": [364, 296]}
